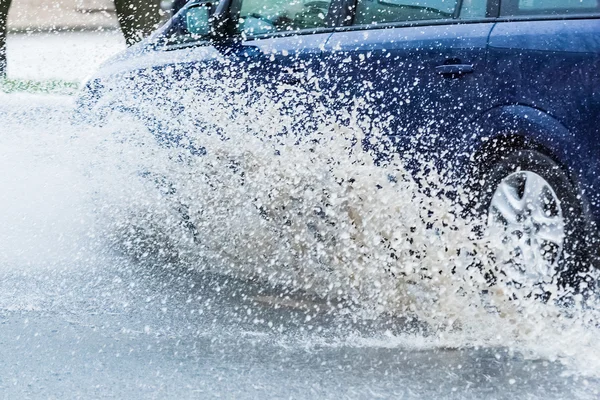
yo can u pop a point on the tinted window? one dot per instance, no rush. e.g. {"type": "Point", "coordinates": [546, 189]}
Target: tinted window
{"type": "Point", "coordinates": [473, 9]}
{"type": "Point", "coordinates": [529, 7]}
{"type": "Point", "coordinates": [382, 11]}
{"type": "Point", "coordinates": [260, 17]}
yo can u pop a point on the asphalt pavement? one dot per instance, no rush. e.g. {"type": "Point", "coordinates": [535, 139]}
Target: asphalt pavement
{"type": "Point", "coordinates": [123, 330]}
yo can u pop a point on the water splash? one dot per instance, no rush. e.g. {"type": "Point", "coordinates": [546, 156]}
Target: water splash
{"type": "Point", "coordinates": [256, 189]}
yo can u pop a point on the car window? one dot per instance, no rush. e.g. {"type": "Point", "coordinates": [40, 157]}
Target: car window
{"type": "Point", "coordinates": [532, 7]}
{"type": "Point", "coordinates": [385, 11]}
{"type": "Point", "coordinates": [180, 34]}
{"type": "Point", "coordinates": [473, 9]}
{"type": "Point", "coordinates": [261, 17]}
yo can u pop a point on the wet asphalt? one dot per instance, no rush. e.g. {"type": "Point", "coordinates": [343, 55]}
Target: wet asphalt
{"type": "Point", "coordinates": [134, 331]}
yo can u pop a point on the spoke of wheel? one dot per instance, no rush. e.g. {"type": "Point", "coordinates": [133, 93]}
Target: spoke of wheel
{"type": "Point", "coordinates": [539, 216]}
{"type": "Point", "coordinates": [540, 263]}
{"type": "Point", "coordinates": [507, 203]}
{"type": "Point", "coordinates": [534, 189]}
{"type": "Point", "coordinates": [527, 253]}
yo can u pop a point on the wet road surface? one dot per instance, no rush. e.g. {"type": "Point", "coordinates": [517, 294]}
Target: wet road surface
{"type": "Point", "coordinates": [133, 331]}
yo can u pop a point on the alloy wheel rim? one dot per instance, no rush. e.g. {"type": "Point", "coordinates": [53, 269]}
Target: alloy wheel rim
{"type": "Point", "coordinates": [526, 228]}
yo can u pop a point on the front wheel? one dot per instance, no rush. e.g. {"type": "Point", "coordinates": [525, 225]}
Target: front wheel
{"type": "Point", "coordinates": [535, 222]}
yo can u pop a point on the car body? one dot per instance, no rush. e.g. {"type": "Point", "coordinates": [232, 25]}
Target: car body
{"type": "Point", "coordinates": [485, 78]}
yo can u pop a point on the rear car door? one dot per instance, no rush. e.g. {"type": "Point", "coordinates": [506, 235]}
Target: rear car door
{"type": "Point", "coordinates": [545, 55]}
{"type": "Point", "coordinates": [420, 64]}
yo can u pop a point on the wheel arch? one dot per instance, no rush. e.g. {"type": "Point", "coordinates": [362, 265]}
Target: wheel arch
{"type": "Point", "coordinates": [506, 129]}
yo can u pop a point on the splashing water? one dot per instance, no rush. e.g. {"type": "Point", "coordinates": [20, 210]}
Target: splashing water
{"type": "Point", "coordinates": [260, 188]}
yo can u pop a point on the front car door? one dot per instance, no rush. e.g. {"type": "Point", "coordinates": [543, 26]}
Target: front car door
{"type": "Point", "coordinates": [283, 45]}
{"type": "Point", "coordinates": [272, 47]}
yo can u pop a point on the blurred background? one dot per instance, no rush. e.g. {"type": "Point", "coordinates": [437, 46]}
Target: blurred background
{"type": "Point", "coordinates": [50, 45]}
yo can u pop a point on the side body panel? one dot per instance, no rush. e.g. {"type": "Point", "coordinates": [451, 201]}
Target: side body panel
{"type": "Point", "coordinates": [289, 66]}
{"type": "Point", "coordinates": [552, 68]}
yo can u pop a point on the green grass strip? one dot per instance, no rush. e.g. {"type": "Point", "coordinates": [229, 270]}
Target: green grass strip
{"type": "Point", "coordinates": [30, 86]}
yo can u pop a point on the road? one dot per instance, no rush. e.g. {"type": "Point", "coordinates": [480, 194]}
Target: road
{"type": "Point", "coordinates": [80, 320]}
{"type": "Point", "coordinates": [131, 333]}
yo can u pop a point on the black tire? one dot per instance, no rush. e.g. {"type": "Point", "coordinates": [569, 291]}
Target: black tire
{"type": "Point", "coordinates": [572, 263]}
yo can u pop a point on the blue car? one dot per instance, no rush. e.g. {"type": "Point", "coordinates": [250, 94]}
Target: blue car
{"type": "Point", "coordinates": [505, 96]}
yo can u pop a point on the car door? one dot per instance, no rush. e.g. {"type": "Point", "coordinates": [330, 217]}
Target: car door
{"type": "Point", "coordinates": [418, 66]}
{"type": "Point", "coordinates": [282, 47]}
{"type": "Point", "coordinates": [545, 56]}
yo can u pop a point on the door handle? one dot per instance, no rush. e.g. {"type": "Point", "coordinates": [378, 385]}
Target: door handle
{"type": "Point", "coordinates": [290, 79]}
{"type": "Point", "coordinates": [453, 71]}
{"type": "Point", "coordinates": [292, 76]}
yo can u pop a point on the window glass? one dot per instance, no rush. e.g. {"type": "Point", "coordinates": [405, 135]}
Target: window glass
{"type": "Point", "coordinates": [473, 9]}
{"type": "Point", "coordinates": [382, 11]}
{"type": "Point", "coordinates": [540, 7]}
{"type": "Point", "coordinates": [528, 5]}
{"type": "Point", "coordinates": [260, 17]}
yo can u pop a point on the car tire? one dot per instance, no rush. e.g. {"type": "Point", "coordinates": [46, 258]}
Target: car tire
{"type": "Point", "coordinates": [534, 214]}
